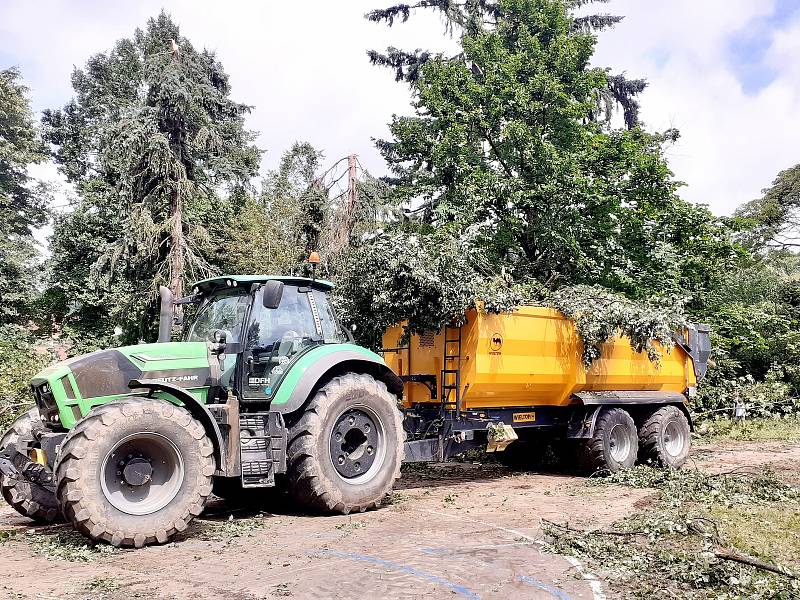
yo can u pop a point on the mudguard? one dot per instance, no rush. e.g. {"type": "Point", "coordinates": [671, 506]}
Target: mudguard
{"type": "Point", "coordinates": [318, 366]}
{"type": "Point", "coordinates": [197, 409]}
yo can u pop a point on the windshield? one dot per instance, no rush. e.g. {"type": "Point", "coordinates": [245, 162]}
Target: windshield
{"type": "Point", "coordinates": [224, 311]}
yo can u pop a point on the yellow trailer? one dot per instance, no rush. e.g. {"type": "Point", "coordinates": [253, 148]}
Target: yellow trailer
{"type": "Point", "coordinates": [523, 371]}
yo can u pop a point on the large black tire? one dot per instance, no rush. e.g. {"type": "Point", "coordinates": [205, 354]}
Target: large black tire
{"type": "Point", "coordinates": [615, 444]}
{"type": "Point", "coordinates": [343, 419]}
{"type": "Point", "coordinates": [28, 499]}
{"type": "Point", "coordinates": [665, 438]}
{"type": "Point", "coordinates": [127, 513]}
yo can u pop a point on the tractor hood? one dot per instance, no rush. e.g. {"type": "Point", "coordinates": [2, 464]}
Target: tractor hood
{"type": "Point", "coordinates": [70, 388]}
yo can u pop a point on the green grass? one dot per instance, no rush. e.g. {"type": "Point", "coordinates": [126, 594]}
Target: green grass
{"type": "Point", "coordinates": [770, 532]}
{"type": "Point", "coordinates": [760, 430]}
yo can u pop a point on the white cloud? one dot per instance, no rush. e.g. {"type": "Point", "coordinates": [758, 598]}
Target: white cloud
{"type": "Point", "coordinates": [303, 66]}
{"type": "Point", "coordinates": [733, 143]}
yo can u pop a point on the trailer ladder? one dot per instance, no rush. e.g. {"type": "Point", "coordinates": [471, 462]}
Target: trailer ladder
{"type": "Point", "coordinates": [451, 374]}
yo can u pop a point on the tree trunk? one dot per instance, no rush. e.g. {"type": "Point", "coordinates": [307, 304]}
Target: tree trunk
{"type": "Point", "coordinates": [176, 254]}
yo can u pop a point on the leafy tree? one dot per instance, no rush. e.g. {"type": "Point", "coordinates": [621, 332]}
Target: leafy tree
{"type": "Point", "coordinates": [273, 233]}
{"type": "Point", "coordinates": [472, 16]}
{"type": "Point", "coordinates": [503, 143]}
{"type": "Point", "coordinates": [23, 202]}
{"type": "Point", "coordinates": [773, 221]}
{"type": "Point", "coordinates": [505, 157]}
{"type": "Point", "coordinates": [152, 141]}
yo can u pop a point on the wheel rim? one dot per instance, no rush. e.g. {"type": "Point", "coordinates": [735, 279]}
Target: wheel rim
{"type": "Point", "coordinates": [142, 473]}
{"type": "Point", "coordinates": [674, 439]}
{"type": "Point", "coordinates": [619, 443]}
{"type": "Point", "coordinates": [357, 444]}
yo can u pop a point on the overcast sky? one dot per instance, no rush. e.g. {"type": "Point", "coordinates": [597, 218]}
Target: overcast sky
{"type": "Point", "coordinates": [724, 72]}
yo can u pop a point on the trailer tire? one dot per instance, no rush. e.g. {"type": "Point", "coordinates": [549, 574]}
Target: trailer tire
{"type": "Point", "coordinates": [615, 443]}
{"type": "Point", "coordinates": [29, 499]}
{"type": "Point", "coordinates": [665, 438]}
{"type": "Point", "coordinates": [346, 447]}
{"type": "Point", "coordinates": [134, 471]}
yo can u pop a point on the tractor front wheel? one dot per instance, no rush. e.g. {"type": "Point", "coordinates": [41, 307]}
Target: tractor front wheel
{"type": "Point", "coordinates": [134, 471]}
{"type": "Point", "coordinates": [346, 448]}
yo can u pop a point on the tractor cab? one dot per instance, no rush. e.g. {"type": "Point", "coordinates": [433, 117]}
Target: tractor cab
{"type": "Point", "coordinates": [266, 322]}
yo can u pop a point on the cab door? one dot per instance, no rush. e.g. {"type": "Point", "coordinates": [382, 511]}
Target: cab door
{"type": "Point", "coordinates": [273, 338]}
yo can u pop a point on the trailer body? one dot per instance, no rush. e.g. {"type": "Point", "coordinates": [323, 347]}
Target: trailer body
{"type": "Point", "coordinates": [529, 357]}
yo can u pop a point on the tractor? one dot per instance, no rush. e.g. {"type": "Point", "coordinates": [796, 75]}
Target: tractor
{"type": "Point", "coordinates": [266, 386]}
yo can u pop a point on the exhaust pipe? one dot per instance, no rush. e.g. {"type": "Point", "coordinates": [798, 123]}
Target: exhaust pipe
{"type": "Point", "coordinates": [166, 316]}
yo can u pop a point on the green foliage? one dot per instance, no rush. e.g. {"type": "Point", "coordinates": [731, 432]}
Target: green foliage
{"type": "Point", "coordinates": [429, 281]}
{"type": "Point", "coordinates": [152, 141]}
{"type": "Point", "coordinates": [21, 357]}
{"type": "Point", "coordinates": [599, 316]}
{"type": "Point", "coordinates": [23, 203]}
{"type": "Point", "coordinates": [522, 195]}
{"type": "Point", "coordinates": [675, 545]}
{"type": "Point", "coordinates": [773, 221]}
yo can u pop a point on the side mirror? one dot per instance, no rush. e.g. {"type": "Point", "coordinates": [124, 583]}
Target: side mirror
{"type": "Point", "coordinates": [272, 293]}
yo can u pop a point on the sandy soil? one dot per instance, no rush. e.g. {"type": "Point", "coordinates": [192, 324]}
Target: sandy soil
{"type": "Point", "coordinates": [453, 531]}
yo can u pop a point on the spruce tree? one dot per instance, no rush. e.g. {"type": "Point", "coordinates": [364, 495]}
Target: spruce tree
{"type": "Point", "coordinates": [154, 144]}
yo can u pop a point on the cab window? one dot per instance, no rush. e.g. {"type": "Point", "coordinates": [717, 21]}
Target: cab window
{"type": "Point", "coordinates": [331, 329]}
{"type": "Point", "coordinates": [224, 311]}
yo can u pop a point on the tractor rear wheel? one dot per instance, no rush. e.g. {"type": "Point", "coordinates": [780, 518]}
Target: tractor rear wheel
{"type": "Point", "coordinates": [346, 448]}
{"type": "Point", "coordinates": [665, 438]}
{"type": "Point", "coordinates": [27, 498]}
{"type": "Point", "coordinates": [614, 445]}
{"type": "Point", "coordinates": [134, 471]}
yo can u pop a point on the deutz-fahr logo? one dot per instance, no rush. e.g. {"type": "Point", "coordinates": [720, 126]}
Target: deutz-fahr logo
{"type": "Point", "coordinates": [177, 378]}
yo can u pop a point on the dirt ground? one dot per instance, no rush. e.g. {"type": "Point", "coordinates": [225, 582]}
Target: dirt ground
{"type": "Point", "coordinates": [455, 530]}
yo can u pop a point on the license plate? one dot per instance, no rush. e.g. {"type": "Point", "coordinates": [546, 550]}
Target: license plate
{"type": "Point", "coordinates": [526, 417]}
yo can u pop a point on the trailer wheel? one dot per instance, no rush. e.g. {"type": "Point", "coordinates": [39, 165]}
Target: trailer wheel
{"type": "Point", "coordinates": [134, 471]}
{"type": "Point", "coordinates": [27, 498]}
{"type": "Point", "coordinates": [665, 438]}
{"type": "Point", "coordinates": [615, 443]}
{"type": "Point", "coordinates": [345, 450]}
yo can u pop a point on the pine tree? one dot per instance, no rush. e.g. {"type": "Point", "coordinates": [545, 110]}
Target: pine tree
{"type": "Point", "coordinates": [154, 144]}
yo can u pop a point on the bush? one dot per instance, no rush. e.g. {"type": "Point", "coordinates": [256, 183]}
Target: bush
{"type": "Point", "coordinates": [21, 357]}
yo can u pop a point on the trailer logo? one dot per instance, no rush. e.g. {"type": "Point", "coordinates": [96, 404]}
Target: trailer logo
{"type": "Point", "coordinates": [495, 343]}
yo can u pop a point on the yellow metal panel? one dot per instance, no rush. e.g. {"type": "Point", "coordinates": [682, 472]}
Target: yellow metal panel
{"type": "Point", "coordinates": [532, 357]}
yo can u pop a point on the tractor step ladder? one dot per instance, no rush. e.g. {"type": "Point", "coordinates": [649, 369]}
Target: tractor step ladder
{"type": "Point", "coordinates": [451, 374]}
{"type": "Point", "coordinates": [262, 439]}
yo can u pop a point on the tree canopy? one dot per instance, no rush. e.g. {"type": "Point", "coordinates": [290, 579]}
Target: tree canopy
{"type": "Point", "coordinates": [23, 203]}
{"type": "Point", "coordinates": [508, 174]}
{"type": "Point", "coordinates": [154, 144]}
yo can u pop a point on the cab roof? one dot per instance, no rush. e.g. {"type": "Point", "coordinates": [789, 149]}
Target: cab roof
{"type": "Point", "coordinates": [222, 281]}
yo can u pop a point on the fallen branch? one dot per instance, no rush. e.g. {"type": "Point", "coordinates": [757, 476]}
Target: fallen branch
{"type": "Point", "coordinates": [566, 527]}
{"type": "Point", "coordinates": [744, 559]}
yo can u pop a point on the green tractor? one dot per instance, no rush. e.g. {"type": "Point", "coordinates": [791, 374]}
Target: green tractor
{"type": "Point", "coordinates": [265, 388]}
